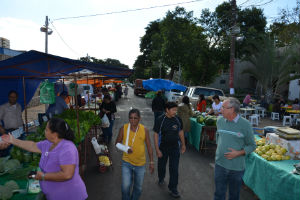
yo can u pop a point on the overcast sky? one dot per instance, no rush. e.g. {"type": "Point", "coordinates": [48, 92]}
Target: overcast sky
{"type": "Point", "coordinates": [107, 36]}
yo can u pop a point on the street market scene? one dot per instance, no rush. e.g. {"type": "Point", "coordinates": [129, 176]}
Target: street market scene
{"type": "Point", "coordinates": [160, 100]}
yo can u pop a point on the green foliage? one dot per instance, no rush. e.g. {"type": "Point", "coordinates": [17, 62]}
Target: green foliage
{"type": "Point", "coordinates": [272, 66]}
{"type": "Point", "coordinates": [286, 28]}
{"type": "Point", "coordinates": [107, 61]}
{"type": "Point", "coordinates": [5, 193]}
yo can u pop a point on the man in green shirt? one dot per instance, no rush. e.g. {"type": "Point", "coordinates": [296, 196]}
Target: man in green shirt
{"type": "Point", "coordinates": [235, 140]}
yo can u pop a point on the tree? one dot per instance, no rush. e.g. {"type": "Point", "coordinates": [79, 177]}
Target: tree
{"type": "Point", "coordinates": [107, 61]}
{"type": "Point", "coordinates": [286, 28]}
{"type": "Point", "coordinates": [272, 66]}
{"type": "Point", "coordinates": [218, 24]}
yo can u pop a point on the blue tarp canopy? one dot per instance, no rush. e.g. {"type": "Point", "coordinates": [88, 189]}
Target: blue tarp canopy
{"type": "Point", "coordinates": [33, 66]}
{"type": "Point", "coordinates": [161, 84]}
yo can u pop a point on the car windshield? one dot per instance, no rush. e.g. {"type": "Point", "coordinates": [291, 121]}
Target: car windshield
{"type": "Point", "coordinates": [207, 92]}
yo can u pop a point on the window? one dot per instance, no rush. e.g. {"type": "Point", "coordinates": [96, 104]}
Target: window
{"type": "Point", "coordinates": [206, 92]}
{"type": "Point", "coordinates": [222, 81]}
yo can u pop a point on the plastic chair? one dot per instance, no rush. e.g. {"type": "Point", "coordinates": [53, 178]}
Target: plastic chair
{"type": "Point", "coordinates": [262, 113]}
{"type": "Point", "coordinates": [297, 121]}
{"type": "Point", "coordinates": [253, 120]}
{"type": "Point", "coordinates": [275, 116]}
{"type": "Point", "coordinates": [287, 120]}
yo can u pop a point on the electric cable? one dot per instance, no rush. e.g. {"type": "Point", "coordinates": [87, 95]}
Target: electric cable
{"type": "Point", "coordinates": [125, 11]}
{"type": "Point", "coordinates": [64, 40]}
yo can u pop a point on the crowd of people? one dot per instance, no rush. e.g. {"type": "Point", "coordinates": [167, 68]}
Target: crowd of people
{"type": "Point", "coordinates": [59, 163]}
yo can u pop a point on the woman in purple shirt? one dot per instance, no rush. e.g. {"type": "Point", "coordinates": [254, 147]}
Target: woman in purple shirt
{"type": "Point", "coordinates": [59, 176]}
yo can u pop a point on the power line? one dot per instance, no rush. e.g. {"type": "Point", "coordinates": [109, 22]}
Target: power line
{"type": "Point", "coordinates": [244, 2]}
{"type": "Point", "coordinates": [64, 40]}
{"type": "Point", "coordinates": [125, 11]}
{"type": "Point", "coordinates": [259, 5]}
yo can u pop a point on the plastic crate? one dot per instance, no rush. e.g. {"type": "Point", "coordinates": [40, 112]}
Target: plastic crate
{"type": "Point", "coordinates": [259, 131]}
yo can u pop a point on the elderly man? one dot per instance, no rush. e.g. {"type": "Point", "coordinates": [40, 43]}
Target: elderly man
{"type": "Point", "coordinates": [11, 115]}
{"type": "Point", "coordinates": [235, 140]}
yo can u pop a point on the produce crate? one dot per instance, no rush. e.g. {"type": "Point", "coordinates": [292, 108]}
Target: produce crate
{"type": "Point", "coordinates": [258, 131]}
{"type": "Point", "coordinates": [101, 166]}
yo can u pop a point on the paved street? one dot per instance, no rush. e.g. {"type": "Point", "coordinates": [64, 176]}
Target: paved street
{"type": "Point", "coordinates": [195, 173]}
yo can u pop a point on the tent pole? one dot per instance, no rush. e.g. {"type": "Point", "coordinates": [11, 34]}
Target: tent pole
{"type": "Point", "coordinates": [96, 95]}
{"type": "Point", "coordinates": [25, 107]}
{"type": "Point", "coordinates": [76, 107]}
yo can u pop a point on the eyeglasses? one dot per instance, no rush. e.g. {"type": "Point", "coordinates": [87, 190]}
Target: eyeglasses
{"type": "Point", "coordinates": [226, 107]}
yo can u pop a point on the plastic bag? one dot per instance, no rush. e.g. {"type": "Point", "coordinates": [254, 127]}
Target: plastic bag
{"type": "Point", "coordinates": [72, 88]}
{"type": "Point", "coordinates": [105, 121]}
{"type": "Point", "coordinates": [47, 94]}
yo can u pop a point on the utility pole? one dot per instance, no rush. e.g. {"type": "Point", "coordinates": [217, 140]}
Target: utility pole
{"type": "Point", "coordinates": [160, 69]}
{"type": "Point", "coordinates": [46, 34]}
{"type": "Point", "coordinates": [47, 31]}
{"type": "Point", "coordinates": [232, 46]}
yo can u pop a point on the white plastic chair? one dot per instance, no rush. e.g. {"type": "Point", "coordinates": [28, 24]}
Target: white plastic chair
{"type": "Point", "coordinates": [275, 116]}
{"type": "Point", "coordinates": [287, 120]}
{"type": "Point", "coordinates": [254, 119]}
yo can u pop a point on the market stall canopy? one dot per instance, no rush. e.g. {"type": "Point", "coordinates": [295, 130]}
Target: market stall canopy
{"type": "Point", "coordinates": [34, 66]}
{"type": "Point", "coordinates": [161, 84]}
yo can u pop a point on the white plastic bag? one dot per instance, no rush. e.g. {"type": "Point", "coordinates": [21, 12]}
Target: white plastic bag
{"type": "Point", "coordinates": [105, 121]}
{"type": "Point", "coordinates": [96, 146]}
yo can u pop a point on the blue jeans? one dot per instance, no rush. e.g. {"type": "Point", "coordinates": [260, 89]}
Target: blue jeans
{"type": "Point", "coordinates": [227, 178]}
{"type": "Point", "coordinates": [173, 154]}
{"type": "Point", "coordinates": [107, 132]}
{"type": "Point", "coordinates": [132, 177]}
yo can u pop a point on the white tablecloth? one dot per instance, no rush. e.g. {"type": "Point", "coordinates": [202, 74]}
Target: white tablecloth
{"type": "Point", "coordinates": [292, 146]}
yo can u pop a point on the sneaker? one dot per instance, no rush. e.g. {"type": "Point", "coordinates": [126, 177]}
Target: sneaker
{"type": "Point", "coordinates": [161, 183]}
{"type": "Point", "coordinates": [175, 194]}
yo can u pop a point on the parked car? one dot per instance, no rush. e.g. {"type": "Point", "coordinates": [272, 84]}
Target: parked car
{"type": "Point", "coordinates": [173, 95]}
{"type": "Point", "coordinates": [193, 93]}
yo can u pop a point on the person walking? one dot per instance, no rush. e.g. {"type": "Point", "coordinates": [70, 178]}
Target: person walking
{"type": "Point", "coordinates": [169, 141]}
{"type": "Point", "coordinates": [134, 135]}
{"type": "Point", "coordinates": [158, 105]}
{"type": "Point", "coordinates": [126, 91]}
{"type": "Point", "coordinates": [108, 107]}
{"type": "Point", "coordinates": [235, 140]}
{"type": "Point", "coordinates": [185, 112]}
{"type": "Point", "coordinates": [59, 176]}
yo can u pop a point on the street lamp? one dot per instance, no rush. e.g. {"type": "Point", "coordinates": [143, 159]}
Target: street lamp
{"type": "Point", "coordinates": [47, 32]}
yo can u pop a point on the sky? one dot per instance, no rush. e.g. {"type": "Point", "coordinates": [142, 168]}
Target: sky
{"type": "Point", "coordinates": [114, 36]}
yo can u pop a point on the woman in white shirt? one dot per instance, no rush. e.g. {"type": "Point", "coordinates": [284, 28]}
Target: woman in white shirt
{"type": "Point", "coordinates": [216, 106]}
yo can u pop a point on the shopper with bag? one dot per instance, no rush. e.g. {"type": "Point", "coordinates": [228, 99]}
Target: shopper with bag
{"type": "Point", "coordinates": [133, 137]}
{"type": "Point", "coordinates": [107, 108]}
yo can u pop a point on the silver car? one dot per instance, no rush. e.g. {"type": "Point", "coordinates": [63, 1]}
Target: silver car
{"type": "Point", "coordinates": [193, 93]}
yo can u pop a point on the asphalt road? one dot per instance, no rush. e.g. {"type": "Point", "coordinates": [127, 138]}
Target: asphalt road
{"type": "Point", "coordinates": [196, 170]}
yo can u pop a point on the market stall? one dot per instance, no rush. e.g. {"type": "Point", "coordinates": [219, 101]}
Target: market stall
{"type": "Point", "coordinates": [272, 180]}
{"type": "Point", "coordinates": [269, 171]}
{"type": "Point", "coordinates": [24, 73]}
{"type": "Point", "coordinates": [203, 129]}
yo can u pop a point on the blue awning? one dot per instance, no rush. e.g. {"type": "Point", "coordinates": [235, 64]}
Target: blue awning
{"type": "Point", "coordinates": [34, 66]}
{"type": "Point", "coordinates": [161, 84]}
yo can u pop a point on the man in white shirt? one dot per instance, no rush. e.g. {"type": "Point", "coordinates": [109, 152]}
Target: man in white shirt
{"type": "Point", "coordinates": [10, 115]}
